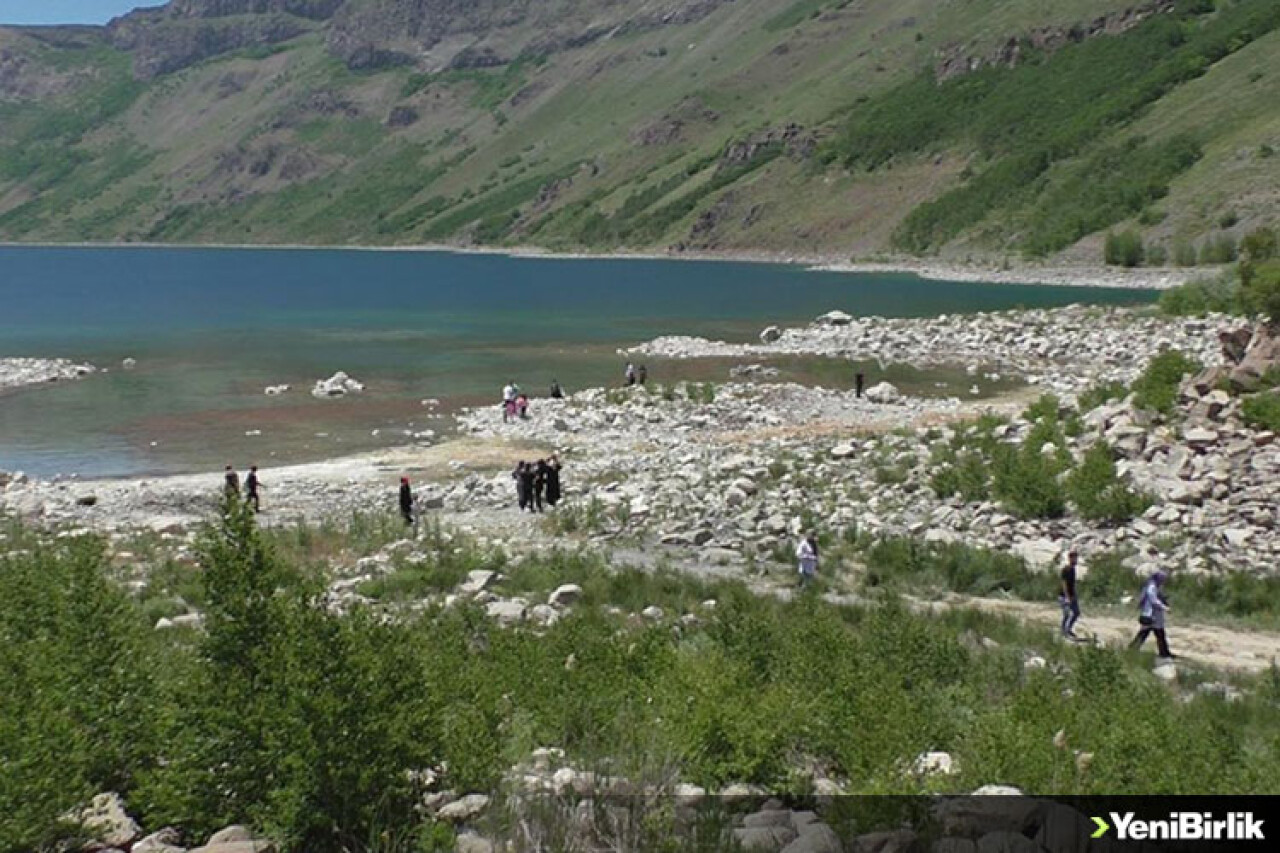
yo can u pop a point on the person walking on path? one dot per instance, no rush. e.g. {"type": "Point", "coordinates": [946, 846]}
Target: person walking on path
{"type": "Point", "coordinates": [553, 481]}
{"type": "Point", "coordinates": [1067, 596]}
{"type": "Point", "coordinates": [1152, 607]}
{"type": "Point", "coordinates": [230, 482]}
{"type": "Point", "coordinates": [251, 486]}
{"type": "Point", "coordinates": [642, 375]}
{"type": "Point", "coordinates": [557, 393]}
{"type": "Point", "coordinates": [859, 383]}
{"type": "Point", "coordinates": [630, 374]}
{"type": "Point", "coordinates": [406, 501]}
{"type": "Point", "coordinates": [807, 555]}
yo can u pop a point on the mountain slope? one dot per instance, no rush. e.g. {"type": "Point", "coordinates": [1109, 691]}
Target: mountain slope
{"type": "Point", "coordinates": [975, 128]}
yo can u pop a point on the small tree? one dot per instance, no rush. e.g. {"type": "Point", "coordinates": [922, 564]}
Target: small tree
{"type": "Point", "coordinates": [1157, 387]}
{"type": "Point", "coordinates": [1124, 249]}
{"type": "Point", "coordinates": [1260, 289]}
{"type": "Point", "coordinates": [1097, 492]}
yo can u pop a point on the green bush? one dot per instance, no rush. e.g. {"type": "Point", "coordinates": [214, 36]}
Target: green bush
{"type": "Point", "coordinates": [1097, 492]}
{"type": "Point", "coordinates": [1204, 296]}
{"type": "Point", "coordinates": [1260, 289]}
{"type": "Point", "coordinates": [1262, 411]}
{"type": "Point", "coordinates": [1184, 253]}
{"type": "Point", "coordinates": [1124, 249]}
{"type": "Point", "coordinates": [1219, 250]}
{"type": "Point", "coordinates": [1259, 245]}
{"type": "Point", "coordinates": [1103, 392]}
{"type": "Point", "coordinates": [1157, 388]}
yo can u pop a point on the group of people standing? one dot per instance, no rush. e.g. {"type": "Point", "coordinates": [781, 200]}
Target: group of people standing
{"type": "Point", "coordinates": [537, 483]}
{"type": "Point", "coordinates": [231, 486]}
{"type": "Point", "coordinates": [635, 375]}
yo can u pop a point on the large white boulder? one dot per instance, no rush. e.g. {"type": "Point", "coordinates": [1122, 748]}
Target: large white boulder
{"type": "Point", "coordinates": [337, 385]}
{"type": "Point", "coordinates": [883, 393]}
{"type": "Point", "coordinates": [834, 318]}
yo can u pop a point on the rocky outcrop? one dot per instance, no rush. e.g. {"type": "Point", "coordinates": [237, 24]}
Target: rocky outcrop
{"type": "Point", "coordinates": [17, 372]}
{"type": "Point", "coordinates": [162, 44]}
{"type": "Point", "coordinates": [955, 60]}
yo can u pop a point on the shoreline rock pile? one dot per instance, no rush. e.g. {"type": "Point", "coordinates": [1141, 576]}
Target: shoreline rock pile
{"type": "Point", "coordinates": [20, 372]}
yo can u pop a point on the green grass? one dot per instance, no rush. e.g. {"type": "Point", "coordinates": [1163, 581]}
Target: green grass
{"type": "Point", "coordinates": [304, 723]}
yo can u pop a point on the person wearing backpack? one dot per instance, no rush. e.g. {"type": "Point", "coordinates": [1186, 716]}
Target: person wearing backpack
{"type": "Point", "coordinates": [1152, 607]}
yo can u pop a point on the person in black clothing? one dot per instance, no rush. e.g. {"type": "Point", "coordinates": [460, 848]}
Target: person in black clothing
{"type": "Point", "coordinates": [553, 481]}
{"type": "Point", "coordinates": [251, 486]}
{"type": "Point", "coordinates": [522, 493]}
{"type": "Point", "coordinates": [231, 482]}
{"type": "Point", "coordinates": [642, 374]}
{"type": "Point", "coordinates": [859, 382]}
{"type": "Point", "coordinates": [1067, 596]}
{"type": "Point", "coordinates": [406, 500]}
{"type": "Point", "coordinates": [526, 475]}
{"type": "Point", "coordinates": [541, 473]}
{"type": "Point", "coordinates": [557, 393]}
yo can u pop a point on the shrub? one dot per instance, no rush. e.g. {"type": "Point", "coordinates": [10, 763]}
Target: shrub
{"type": "Point", "coordinates": [1104, 392]}
{"type": "Point", "coordinates": [1124, 249]}
{"type": "Point", "coordinates": [1259, 245]}
{"type": "Point", "coordinates": [1262, 411]}
{"type": "Point", "coordinates": [1218, 250]}
{"type": "Point", "coordinates": [1184, 253]}
{"type": "Point", "coordinates": [1157, 256]}
{"type": "Point", "coordinates": [1025, 479]}
{"type": "Point", "coordinates": [1260, 289]}
{"type": "Point", "coordinates": [1097, 492]}
{"type": "Point", "coordinates": [1157, 388]}
{"type": "Point", "coordinates": [1220, 294]}
{"type": "Point", "coordinates": [967, 476]}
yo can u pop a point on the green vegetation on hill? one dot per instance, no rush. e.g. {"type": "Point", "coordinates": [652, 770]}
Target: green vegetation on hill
{"type": "Point", "coordinates": [912, 127]}
{"type": "Point", "coordinates": [308, 723]}
{"type": "Point", "coordinates": [1023, 122]}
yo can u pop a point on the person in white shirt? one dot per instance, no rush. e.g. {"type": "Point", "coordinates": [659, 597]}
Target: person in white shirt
{"type": "Point", "coordinates": [807, 555]}
{"type": "Point", "coordinates": [509, 393]}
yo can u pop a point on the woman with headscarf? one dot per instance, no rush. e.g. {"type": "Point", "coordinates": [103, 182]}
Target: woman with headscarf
{"type": "Point", "coordinates": [522, 484]}
{"type": "Point", "coordinates": [1152, 607]}
{"type": "Point", "coordinates": [553, 481]}
{"type": "Point", "coordinates": [807, 555]}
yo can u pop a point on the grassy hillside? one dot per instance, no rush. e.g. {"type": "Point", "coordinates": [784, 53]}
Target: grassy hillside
{"type": "Point", "coordinates": [986, 128]}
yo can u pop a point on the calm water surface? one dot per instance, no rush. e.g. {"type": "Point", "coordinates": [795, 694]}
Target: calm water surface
{"type": "Point", "coordinates": [210, 328]}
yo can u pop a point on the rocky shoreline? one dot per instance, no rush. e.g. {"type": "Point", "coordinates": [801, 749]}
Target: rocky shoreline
{"type": "Point", "coordinates": [737, 469]}
{"type": "Point", "coordinates": [20, 372]}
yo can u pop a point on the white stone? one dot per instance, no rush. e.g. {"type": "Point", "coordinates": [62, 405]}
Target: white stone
{"type": "Point", "coordinates": [565, 595]}
{"type": "Point", "coordinates": [883, 393]}
{"type": "Point", "coordinates": [935, 764]}
{"type": "Point", "coordinates": [467, 808]}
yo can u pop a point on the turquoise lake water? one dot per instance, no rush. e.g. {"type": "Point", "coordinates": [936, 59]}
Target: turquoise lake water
{"type": "Point", "coordinates": [210, 328]}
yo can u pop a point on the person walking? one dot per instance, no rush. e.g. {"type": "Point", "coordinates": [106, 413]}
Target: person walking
{"type": "Point", "coordinates": [406, 501]}
{"type": "Point", "coordinates": [557, 393]}
{"type": "Point", "coordinates": [553, 482]}
{"type": "Point", "coordinates": [807, 556]}
{"type": "Point", "coordinates": [251, 486]}
{"type": "Point", "coordinates": [1067, 595]}
{"type": "Point", "coordinates": [522, 497]}
{"type": "Point", "coordinates": [230, 482]}
{"type": "Point", "coordinates": [642, 374]}
{"type": "Point", "coordinates": [630, 374]}
{"type": "Point", "coordinates": [1152, 607]}
{"type": "Point", "coordinates": [859, 383]}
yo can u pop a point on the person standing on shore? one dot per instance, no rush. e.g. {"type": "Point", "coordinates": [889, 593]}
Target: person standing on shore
{"type": "Point", "coordinates": [406, 501]}
{"type": "Point", "coordinates": [1067, 595]}
{"type": "Point", "coordinates": [1152, 607]}
{"type": "Point", "coordinates": [642, 375]}
{"type": "Point", "coordinates": [553, 482]}
{"type": "Point", "coordinates": [230, 482]}
{"type": "Point", "coordinates": [251, 486]}
{"type": "Point", "coordinates": [859, 383]}
{"type": "Point", "coordinates": [807, 556]}
{"type": "Point", "coordinates": [509, 393]}
{"type": "Point", "coordinates": [557, 393]}
{"type": "Point", "coordinates": [525, 476]}
{"type": "Point", "coordinates": [629, 375]}
{"type": "Point", "coordinates": [539, 484]}
{"type": "Point", "coordinates": [522, 494]}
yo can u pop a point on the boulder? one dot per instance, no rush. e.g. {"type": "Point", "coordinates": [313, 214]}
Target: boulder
{"type": "Point", "coordinates": [565, 595]}
{"type": "Point", "coordinates": [815, 838]}
{"type": "Point", "coordinates": [507, 612]}
{"type": "Point", "coordinates": [469, 842]}
{"type": "Point", "coordinates": [462, 810]}
{"type": "Point", "coordinates": [934, 764]}
{"type": "Point", "coordinates": [337, 385]}
{"type": "Point", "coordinates": [834, 318]}
{"type": "Point", "coordinates": [1038, 553]}
{"type": "Point", "coordinates": [883, 393]}
{"type": "Point", "coordinates": [770, 335]}
{"type": "Point", "coordinates": [106, 820]}
{"type": "Point", "coordinates": [763, 839]}
{"type": "Point", "coordinates": [236, 839]}
{"type": "Point", "coordinates": [166, 840]}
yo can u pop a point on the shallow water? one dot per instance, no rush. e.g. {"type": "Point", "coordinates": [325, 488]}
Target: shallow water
{"type": "Point", "coordinates": [210, 328]}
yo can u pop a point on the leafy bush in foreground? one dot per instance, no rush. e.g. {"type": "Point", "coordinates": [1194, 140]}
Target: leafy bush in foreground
{"type": "Point", "coordinates": [1098, 493]}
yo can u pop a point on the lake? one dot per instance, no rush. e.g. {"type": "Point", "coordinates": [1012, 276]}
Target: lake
{"type": "Point", "coordinates": [211, 328]}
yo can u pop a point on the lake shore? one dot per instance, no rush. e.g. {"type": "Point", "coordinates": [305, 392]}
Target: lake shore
{"type": "Point", "coordinates": [1161, 278]}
